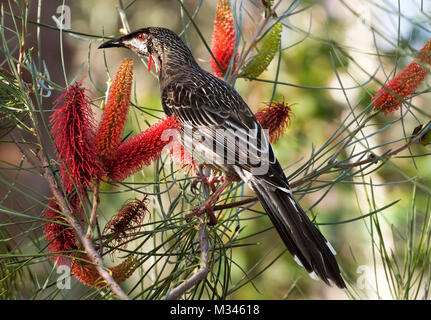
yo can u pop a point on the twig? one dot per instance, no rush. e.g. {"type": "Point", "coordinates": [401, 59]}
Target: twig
{"type": "Point", "coordinates": [123, 17]}
{"type": "Point", "coordinates": [44, 169]}
{"type": "Point", "coordinates": [96, 201]}
{"type": "Point", "coordinates": [234, 204]}
{"type": "Point", "coordinates": [349, 139]}
{"type": "Point", "coordinates": [204, 246]}
{"type": "Point", "coordinates": [357, 218]}
{"type": "Point", "coordinates": [203, 269]}
{"type": "Point", "coordinates": [22, 41]}
{"type": "Point", "coordinates": [258, 32]}
{"type": "Point", "coordinates": [371, 159]}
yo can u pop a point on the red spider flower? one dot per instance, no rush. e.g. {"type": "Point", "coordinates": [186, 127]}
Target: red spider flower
{"type": "Point", "coordinates": [141, 149]}
{"type": "Point", "coordinates": [275, 117]}
{"type": "Point", "coordinates": [425, 54]}
{"type": "Point", "coordinates": [223, 39]}
{"type": "Point", "coordinates": [72, 130]}
{"type": "Point", "coordinates": [404, 84]}
{"type": "Point", "coordinates": [111, 127]}
{"type": "Point", "coordinates": [127, 221]}
{"type": "Point", "coordinates": [59, 234]}
{"type": "Point", "coordinates": [88, 275]}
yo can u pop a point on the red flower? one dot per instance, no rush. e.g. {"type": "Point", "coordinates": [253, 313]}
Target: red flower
{"type": "Point", "coordinates": [275, 117]}
{"type": "Point", "coordinates": [389, 98]}
{"type": "Point", "coordinates": [88, 275]}
{"type": "Point", "coordinates": [141, 149]}
{"type": "Point", "coordinates": [61, 237]}
{"type": "Point", "coordinates": [223, 38]}
{"type": "Point", "coordinates": [404, 84]}
{"type": "Point", "coordinates": [72, 130]}
{"type": "Point", "coordinates": [127, 221]}
{"type": "Point", "coordinates": [86, 272]}
{"type": "Point", "coordinates": [111, 127]}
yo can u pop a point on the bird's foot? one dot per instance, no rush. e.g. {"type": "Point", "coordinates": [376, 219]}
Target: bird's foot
{"type": "Point", "coordinates": [210, 181]}
{"type": "Point", "coordinates": [205, 208]}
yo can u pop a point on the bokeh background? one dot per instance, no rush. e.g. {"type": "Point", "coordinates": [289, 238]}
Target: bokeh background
{"type": "Point", "coordinates": [327, 45]}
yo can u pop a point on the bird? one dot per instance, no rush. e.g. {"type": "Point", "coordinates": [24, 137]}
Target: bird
{"type": "Point", "coordinates": [210, 107]}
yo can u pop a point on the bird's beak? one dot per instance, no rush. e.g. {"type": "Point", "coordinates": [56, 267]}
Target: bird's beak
{"type": "Point", "coordinates": [112, 43]}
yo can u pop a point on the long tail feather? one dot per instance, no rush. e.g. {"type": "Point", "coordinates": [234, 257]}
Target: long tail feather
{"type": "Point", "coordinates": [304, 241]}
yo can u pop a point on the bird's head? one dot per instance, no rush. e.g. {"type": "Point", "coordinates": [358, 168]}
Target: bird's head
{"type": "Point", "coordinates": [160, 45]}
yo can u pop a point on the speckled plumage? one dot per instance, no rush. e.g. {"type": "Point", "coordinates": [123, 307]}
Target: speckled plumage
{"type": "Point", "coordinates": [205, 103]}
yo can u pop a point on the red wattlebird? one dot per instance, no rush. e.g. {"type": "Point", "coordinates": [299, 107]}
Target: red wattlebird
{"type": "Point", "coordinates": [209, 105]}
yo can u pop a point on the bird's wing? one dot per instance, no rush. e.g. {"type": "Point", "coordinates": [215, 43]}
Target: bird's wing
{"type": "Point", "coordinates": [212, 107]}
{"type": "Point", "coordinates": [214, 110]}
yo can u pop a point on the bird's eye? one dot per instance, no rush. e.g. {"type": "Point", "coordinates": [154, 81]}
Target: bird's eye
{"type": "Point", "coordinates": [141, 36]}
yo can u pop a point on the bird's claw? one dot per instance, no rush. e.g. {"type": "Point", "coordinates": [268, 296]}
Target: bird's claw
{"type": "Point", "coordinates": [210, 181]}
{"type": "Point", "coordinates": [199, 211]}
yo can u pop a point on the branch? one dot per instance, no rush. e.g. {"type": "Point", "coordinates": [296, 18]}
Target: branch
{"type": "Point", "coordinates": [96, 201]}
{"type": "Point", "coordinates": [204, 245]}
{"type": "Point", "coordinates": [349, 139]}
{"type": "Point", "coordinates": [123, 17]}
{"type": "Point", "coordinates": [234, 204]}
{"type": "Point", "coordinates": [389, 154]}
{"type": "Point", "coordinates": [203, 270]}
{"type": "Point", "coordinates": [94, 256]}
